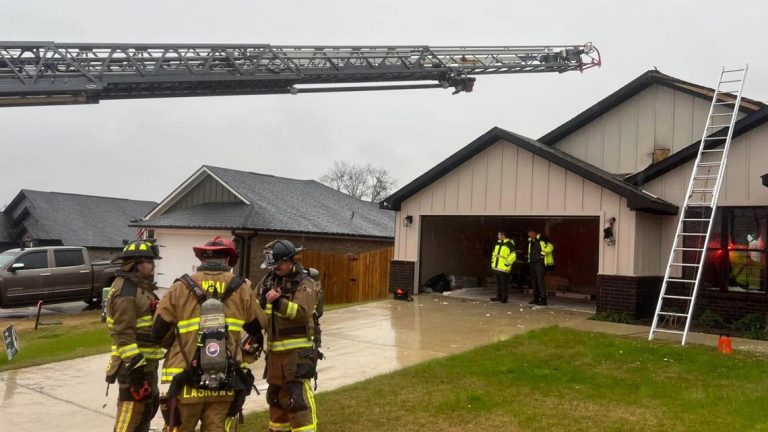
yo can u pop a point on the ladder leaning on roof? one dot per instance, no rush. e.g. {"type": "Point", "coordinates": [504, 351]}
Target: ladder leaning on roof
{"type": "Point", "coordinates": [688, 254]}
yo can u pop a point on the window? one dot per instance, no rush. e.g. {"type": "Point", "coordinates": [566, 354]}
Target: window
{"type": "Point", "coordinates": [736, 253]}
{"type": "Point", "coordinates": [68, 258]}
{"type": "Point", "coordinates": [34, 260]}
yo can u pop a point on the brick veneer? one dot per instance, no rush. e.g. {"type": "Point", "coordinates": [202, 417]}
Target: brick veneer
{"type": "Point", "coordinates": [401, 275]}
{"type": "Point", "coordinates": [633, 295]}
{"type": "Point", "coordinates": [731, 305]}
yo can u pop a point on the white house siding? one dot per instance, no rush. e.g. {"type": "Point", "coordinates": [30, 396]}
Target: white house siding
{"type": "Point", "coordinates": [623, 139]}
{"type": "Point", "coordinates": [505, 180]}
{"type": "Point", "coordinates": [176, 250]}
{"type": "Point", "coordinates": [742, 185]}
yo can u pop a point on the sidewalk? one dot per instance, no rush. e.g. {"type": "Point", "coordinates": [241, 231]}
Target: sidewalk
{"type": "Point", "coordinates": [359, 342]}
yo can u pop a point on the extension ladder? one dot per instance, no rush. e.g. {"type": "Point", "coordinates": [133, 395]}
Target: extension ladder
{"type": "Point", "coordinates": [682, 277]}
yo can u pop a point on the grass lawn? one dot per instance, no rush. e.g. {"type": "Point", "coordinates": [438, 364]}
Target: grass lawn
{"type": "Point", "coordinates": [78, 335]}
{"type": "Point", "coordinates": [557, 379]}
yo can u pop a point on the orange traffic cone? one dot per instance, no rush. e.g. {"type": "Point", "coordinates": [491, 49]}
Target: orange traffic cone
{"type": "Point", "coordinates": [724, 344]}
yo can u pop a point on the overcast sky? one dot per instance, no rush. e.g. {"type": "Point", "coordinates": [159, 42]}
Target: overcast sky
{"type": "Point", "coordinates": [143, 149]}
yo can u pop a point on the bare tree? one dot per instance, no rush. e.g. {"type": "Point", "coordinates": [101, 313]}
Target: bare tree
{"type": "Point", "coordinates": [362, 182]}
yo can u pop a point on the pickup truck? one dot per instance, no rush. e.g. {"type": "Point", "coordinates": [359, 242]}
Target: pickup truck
{"type": "Point", "coordinates": [54, 274]}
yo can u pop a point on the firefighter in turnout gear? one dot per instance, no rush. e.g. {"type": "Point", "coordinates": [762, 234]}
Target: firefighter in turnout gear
{"type": "Point", "coordinates": [292, 299]}
{"type": "Point", "coordinates": [135, 357]}
{"type": "Point", "coordinates": [501, 263]}
{"type": "Point", "coordinates": [200, 321]}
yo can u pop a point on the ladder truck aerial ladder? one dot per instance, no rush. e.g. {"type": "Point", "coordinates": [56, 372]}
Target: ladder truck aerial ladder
{"type": "Point", "coordinates": [51, 73]}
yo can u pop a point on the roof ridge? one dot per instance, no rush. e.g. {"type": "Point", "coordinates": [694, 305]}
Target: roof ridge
{"type": "Point", "coordinates": [85, 195]}
{"type": "Point", "coordinates": [254, 173]}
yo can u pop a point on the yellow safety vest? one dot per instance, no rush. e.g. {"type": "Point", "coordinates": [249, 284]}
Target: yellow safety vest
{"type": "Point", "coordinates": [503, 256]}
{"type": "Point", "coordinates": [547, 248]}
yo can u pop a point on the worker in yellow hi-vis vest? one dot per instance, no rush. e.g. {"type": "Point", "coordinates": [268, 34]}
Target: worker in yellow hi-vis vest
{"type": "Point", "coordinates": [501, 263]}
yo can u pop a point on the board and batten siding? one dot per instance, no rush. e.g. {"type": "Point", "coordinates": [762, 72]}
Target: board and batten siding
{"type": "Point", "coordinates": [622, 140]}
{"type": "Point", "coordinates": [506, 180]}
{"type": "Point", "coordinates": [742, 185]}
{"type": "Point", "coordinates": [208, 190]}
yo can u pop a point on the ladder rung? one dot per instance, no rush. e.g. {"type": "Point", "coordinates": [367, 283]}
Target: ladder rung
{"type": "Point", "coordinates": [681, 280]}
{"type": "Point", "coordinates": [732, 70]}
{"type": "Point", "coordinates": [677, 297]}
{"type": "Point", "coordinates": [714, 138]}
{"type": "Point", "coordinates": [722, 114]}
{"type": "Point", "coordinates": [704, 177]}
{"type": "Point", "coordinates": [729, 81]}
{"type": "Point", "coordinates": [713, 151]}
{"type": "Point", "coordinates": [689, 249]}
{"type": "Point", "coordinates": [694, 234]}
{"type": "Point", "coordinates": [702, 190]}
{"type": "Point", "coordinates": [700, 204]}
{"type": "Point", "coordinates": [684, 264]}
{"type": "Point", "coordinates": [718, 126]}
{"type": "Point", "coordinates": [669, 331]}
{"type": "Point", "coordinates": [694, 220]}
{"type": "Point", "coordinates": [725, 103]}
{"type": "Point", "coordinates": [710, 163]}
{"type": "Point", "coordinates": [673, 314]}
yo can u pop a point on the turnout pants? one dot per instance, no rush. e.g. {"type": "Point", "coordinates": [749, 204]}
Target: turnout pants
{"type": "Point", "coordinates": [132, 415]}
{"type": "Point", "coordinates": [502, 285]}
{"type": "Point", "coordinates": [537, 280]}
{"type": "Point", "coordinates": [211, 415]}
{"type": "Point", "coordinates": [289, 395]}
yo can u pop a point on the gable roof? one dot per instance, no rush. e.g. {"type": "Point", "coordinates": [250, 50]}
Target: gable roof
{"type": "Point", "coordinates": [78, 220]}
{"type": "Point", "coordinates": [690, 152]}
{"type": "Point", "coordinates": [277, 204]}
{"type": "Point", "coordinates": [632, 88]}
{"type": "Point", "coordinates": [637, 199]}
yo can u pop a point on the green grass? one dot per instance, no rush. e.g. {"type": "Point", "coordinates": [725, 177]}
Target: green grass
{"type": "Point", "coordinates": [557, 380]}
{"type": "Point", "coordinates": [71, 339]}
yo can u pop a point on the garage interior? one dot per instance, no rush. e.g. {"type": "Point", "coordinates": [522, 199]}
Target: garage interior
{"type": "Point", "coordinates": [462, 246]}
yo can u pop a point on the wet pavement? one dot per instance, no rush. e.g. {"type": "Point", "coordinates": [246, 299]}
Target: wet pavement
{"type": "Point", "coordinates": [359, 342]}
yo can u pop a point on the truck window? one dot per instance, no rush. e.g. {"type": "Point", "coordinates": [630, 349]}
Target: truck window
{"type": "Point", "coordinates": [34, 260]}
{"type": "Point", "coordinates": [68, 258]}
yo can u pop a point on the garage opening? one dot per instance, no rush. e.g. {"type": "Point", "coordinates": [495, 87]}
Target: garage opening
{"type": "Point", "coordinates": [461, 247]}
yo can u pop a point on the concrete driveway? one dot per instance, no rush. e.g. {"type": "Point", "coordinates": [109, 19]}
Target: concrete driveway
{"type": "Point", "coordinates": [359, 342]}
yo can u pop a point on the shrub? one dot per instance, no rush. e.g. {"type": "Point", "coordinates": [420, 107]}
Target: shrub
{"type": "Point", "coordinates": [751, 326]}
{"type": "Point", "coordinates": [711, 320]}
{"type": "Point", "coordinates": [611, 316]}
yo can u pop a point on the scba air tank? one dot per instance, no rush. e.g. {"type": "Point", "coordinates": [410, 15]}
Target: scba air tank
{"type": "Point", "coordinates": [213, 344]}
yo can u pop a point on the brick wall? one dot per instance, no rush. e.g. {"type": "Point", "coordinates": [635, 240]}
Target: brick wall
{"type": "Point", "coordinates": [633, 295]}
{"type": "Point", "coordinates": [731, 305]}
{"type": "Point", "coordinates": [319, 244]}
{"type": "Point", "coordinates": [401, 275]}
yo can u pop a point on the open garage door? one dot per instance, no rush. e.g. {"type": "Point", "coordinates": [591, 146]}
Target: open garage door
{"type": "Point", "coordinates": [462, 246]}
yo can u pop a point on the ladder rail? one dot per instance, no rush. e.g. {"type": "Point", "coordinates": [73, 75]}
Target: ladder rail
{"type": "Point", "coordinates": [688, 204]}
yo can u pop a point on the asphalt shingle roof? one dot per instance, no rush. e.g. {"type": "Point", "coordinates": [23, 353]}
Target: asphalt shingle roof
{"type": "Point", "coordinates": [81, 220]}
{"type": "Point", "coordinates": [282, 204]}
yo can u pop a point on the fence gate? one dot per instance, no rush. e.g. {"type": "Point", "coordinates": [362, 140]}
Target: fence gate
{"type": "Point", "coordinates": [348, 278]}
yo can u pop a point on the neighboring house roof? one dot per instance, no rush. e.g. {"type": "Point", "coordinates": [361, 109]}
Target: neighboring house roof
{"type": "Point", "coordinates": [77, 220]}
{"type": "Point", "coordinates": [690, 152]}
{"type": "Point", "coordinates": [275, 204]}
{"type": "Point", "coordinates": [5, 229]}
{"type": "Point", "coordinates": [632, 88]}
{"type": "Point", "coordinates": [637, 199]}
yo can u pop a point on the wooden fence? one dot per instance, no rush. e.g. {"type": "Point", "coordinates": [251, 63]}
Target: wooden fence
{"type": "Point", "coordinates": [348, 278]}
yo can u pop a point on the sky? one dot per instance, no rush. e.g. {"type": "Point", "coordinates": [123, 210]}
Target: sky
{"type": "Point", "coordinates": [143, 149]}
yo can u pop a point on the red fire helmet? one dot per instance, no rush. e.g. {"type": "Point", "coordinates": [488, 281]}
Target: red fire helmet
{"type": "Point", "coordinates": [218, 246]}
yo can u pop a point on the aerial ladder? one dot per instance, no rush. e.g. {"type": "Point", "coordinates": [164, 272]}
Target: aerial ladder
{"type": "Point", "coordinates": [50, 73]}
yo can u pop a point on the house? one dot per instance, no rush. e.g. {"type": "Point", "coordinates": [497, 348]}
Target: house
{"type": "Point", "coordinates": [254, 209]}
{"type": "Point", "coordinates": [627, 157]}
{"type": "Point", "coordinates": [36, 218]}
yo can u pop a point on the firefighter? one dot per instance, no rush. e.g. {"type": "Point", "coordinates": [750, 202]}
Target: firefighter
{"type": "Point", "coordinates": [540, 258]}
{"type": "Point", "coordinates": [501, 263]}
{"type": "Point", "coordinates": [290, 297]}
{"type": "Point", "coordinates": [200, 321]}
{"type": "Point", "coordinates": [135, 357]}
